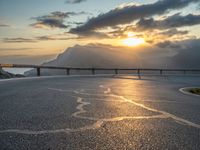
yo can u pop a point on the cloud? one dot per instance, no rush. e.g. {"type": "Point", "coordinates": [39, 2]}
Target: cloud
{"type": "Point", "coordinates": [150, 36]}
{"type": "Point", "coordinates": [62, 36]}
{"type": "Point", "coordinates": [160, 37]}
{"type": "Point", "coordinates": [186, 53]}
{"type": "Point", "coordinates": [74, 23]}
{"type": "Point", "coordinates": [173, 32]}
{"type": "Point", "coordinates": [189, 53]}
{"type": "Point", "coordinates": [67, 36]}
{"type": "Point", "coordinates": [26, 59]}
{"type": "Point", "coordinates": [19, 40]}
{"type": "Point", "coordinates": [4, 25]}
{"type": "Point", "coordinates": [54, 20]}
{"type": "Point", "coordinates": [130, 13]}
{"type": "Point", "coordinates": [173, 21]}
{"type": "Point", "coordinates": [17, 49]}
{"type": "Point", "coordinates": [74, 1]}
{"type": "Point", "coordinates": [168, 44]}
{"type": "Point", "coordinates": [53, 38]}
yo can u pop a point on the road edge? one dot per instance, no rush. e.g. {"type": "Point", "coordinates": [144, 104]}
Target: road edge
{"type": "Point", "coordinates": [185, 91]}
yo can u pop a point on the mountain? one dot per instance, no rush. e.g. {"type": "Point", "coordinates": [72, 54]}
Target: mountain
{"type": "Point", "coordinates": [107, 56]}
{"type": "Point", "coordinates": [7, 75]}
{"type": "Point", "coordinates": [92, 56]}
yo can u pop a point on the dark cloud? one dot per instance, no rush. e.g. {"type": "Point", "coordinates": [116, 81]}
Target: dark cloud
{"type": "Point", "coordinates": [74, 1]}
{"type": "Point", "coordinates": [173, 21]}
{"type": "Point", "coordinates": [19, 40]}
{"type": "Point", "coordinates": [54, 20]}
{"type": "Point", "coordinates": [168, 44]}
{"type": "Point", "coordinates": [129, 14]}
{"type": "Point", "coordinates": [173, 32]}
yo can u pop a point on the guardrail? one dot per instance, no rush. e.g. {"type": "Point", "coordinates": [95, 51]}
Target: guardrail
{"type": "Point", "coordinates": [93, 70]}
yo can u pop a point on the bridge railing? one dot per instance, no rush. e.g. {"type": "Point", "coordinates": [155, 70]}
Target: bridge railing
{"type": "Point", "coordinates": [93, 70]}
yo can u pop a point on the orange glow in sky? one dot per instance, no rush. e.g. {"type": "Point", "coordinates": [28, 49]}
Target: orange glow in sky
{"type": "Point", "coordinates": [132, 41]}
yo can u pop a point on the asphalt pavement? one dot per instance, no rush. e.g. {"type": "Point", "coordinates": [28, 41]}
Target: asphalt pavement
{"type": "Point", "coordinates": [99, 113]}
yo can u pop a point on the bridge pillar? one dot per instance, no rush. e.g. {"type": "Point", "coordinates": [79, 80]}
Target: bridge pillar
{"type": "Point", "coordinates": [93, 71]}
{"type": "Point", "coordinates": [68, 71]}
{"type": "Point", "coordinates": [139, 76]}
{"type": "Point", "coordinates": [116, 71]}
{"type": "Point", "coordinates": [38, 72]}
{"type": "Point", "coordinates": [161, 72]}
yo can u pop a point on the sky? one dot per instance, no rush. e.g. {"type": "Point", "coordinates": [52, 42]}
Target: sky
{"type": "Point", "coordinates": [32, 32]}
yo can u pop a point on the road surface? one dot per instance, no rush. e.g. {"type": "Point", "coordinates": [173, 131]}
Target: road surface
{"type": "Point", "coordinates": [102, 113]}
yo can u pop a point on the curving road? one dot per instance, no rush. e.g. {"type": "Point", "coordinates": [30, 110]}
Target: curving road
{"type": "Point", "coordinates": [102, 112]}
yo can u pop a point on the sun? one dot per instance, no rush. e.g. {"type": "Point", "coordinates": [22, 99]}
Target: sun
{"type": "Point", "coordinates": [132, 41]}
